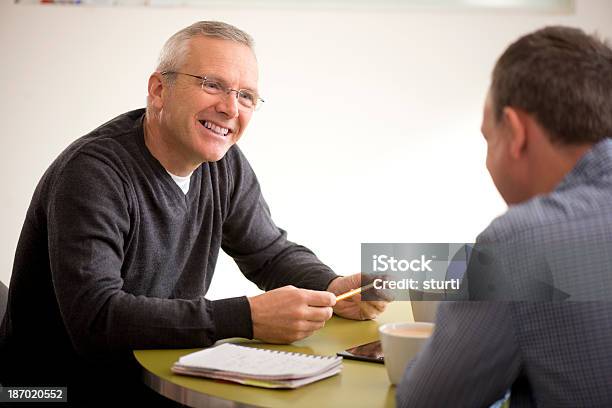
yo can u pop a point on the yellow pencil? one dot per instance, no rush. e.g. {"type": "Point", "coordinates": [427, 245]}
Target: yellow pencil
{"type": "Point", "coordinates": [353, 292]}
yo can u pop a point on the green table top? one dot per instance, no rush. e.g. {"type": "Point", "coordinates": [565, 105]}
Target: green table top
{"type": "Point", "coordinates": [359, 383]}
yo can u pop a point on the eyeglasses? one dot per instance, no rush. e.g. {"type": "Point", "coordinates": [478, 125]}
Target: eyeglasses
{"type": "Point", "coordinates": [247, 99]}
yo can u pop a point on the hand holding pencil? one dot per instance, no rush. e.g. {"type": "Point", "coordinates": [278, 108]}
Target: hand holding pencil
{"type": "Point", "coordinates": [354, 292]}
{"type": "Point", "coordinates": [348, 291]}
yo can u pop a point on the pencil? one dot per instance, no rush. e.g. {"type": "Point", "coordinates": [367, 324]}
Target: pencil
{"type": "Point", "coordinates": [353, 292]}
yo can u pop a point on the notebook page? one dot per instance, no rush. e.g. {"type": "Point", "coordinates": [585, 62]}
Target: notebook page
{"type": "Point", "coordinates": [255, 363]}
{"type": "Point", "coordinates": [289, 383]}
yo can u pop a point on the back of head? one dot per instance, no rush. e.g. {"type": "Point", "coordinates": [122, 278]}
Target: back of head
{"type": "Point", "coordinates": [563, 77]}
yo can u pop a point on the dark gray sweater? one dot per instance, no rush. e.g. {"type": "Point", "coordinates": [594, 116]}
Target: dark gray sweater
{"type": "Point", "coordinates": [113, 256]}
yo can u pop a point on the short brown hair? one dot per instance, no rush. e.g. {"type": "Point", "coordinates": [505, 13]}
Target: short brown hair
{"type": "Point", "coordinates": [564, 78]}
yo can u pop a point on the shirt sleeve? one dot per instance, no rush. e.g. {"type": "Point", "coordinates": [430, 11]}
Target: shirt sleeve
{"type": "Point", "coordinates": [261, 249]}
{"type": "Point", "coordinates": [88, 222]}
{"type": "Point", "coordinates": [470, 361]}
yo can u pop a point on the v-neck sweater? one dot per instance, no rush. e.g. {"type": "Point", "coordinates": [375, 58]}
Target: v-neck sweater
{"type": "Point", "coordinates": [113, 256]}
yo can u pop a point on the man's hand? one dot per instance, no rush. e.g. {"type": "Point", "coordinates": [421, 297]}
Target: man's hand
{"type": "Point", "coordinates": [288, 314]}
{"type": "Point", "coordinates": [354, 307]}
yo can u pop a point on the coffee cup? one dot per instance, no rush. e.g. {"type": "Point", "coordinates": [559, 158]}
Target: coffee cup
{"type": "Point", "coordinates": [400, 343]}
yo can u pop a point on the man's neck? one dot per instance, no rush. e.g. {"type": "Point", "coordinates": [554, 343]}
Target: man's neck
{"type": "Point", "coordinates": [167, 154]}
{"type": "Point", "coordinates": [555, 165]}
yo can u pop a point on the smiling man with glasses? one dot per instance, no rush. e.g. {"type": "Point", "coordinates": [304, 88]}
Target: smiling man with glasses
{"type": "Point", "coordinates": [123, 233]}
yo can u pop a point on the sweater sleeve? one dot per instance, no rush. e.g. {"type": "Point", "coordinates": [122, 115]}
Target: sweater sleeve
{"type": "Point", "coordinates": [89, 218]}
{"type": "Point", "coordinates": [261, 249]}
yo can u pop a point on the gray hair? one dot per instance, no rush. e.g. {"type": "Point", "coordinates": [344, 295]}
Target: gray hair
{"type": "Point", "coordinates": [175, 49]}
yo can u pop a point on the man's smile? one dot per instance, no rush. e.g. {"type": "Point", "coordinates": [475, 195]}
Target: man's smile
{"type": "Point", "coordinates": [215, 128]}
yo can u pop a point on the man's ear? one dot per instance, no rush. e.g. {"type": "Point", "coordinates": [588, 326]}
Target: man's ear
{"type": "Point", "coordinates": [156, 88]}
{"type": "Point", "coordinates": [516, 130]}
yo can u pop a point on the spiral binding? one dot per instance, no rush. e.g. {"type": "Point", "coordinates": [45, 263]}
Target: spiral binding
{"type": "Point", "coordinates": [290, 353]}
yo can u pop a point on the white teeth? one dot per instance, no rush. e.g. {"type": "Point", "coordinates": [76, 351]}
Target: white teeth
{"type": "Point", "coordinates": [215, 128]}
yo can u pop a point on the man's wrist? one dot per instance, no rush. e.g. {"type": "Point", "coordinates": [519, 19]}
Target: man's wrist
{"type": "Point", "coordinates": [333, 284]}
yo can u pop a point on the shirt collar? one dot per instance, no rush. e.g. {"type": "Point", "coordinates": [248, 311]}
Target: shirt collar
{"type": "Point", "coordinates": [594, 165]}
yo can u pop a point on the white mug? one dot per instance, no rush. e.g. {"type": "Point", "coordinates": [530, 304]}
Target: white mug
{"type": "Point", "coordinates": [400, 342]}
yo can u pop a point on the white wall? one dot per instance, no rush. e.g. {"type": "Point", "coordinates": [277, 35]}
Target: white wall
{"type": "Point", "coordinates": [370, 132]}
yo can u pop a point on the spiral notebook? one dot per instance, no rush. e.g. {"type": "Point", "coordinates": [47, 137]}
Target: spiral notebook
{"type": "Point", "coordinates": [257, 367]}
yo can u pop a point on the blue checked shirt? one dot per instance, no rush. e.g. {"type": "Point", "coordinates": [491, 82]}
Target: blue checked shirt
{"type": "Point", "coordinates": [553, 352]}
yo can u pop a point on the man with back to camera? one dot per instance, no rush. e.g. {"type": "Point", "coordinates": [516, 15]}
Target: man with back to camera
{"type": "Point", "coordinates": [547, 123]}
{"type": "Point", "coordinates": [123, 232]}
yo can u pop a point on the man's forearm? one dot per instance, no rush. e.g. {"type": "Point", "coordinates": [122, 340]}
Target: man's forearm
{"type": "Point", "coordinates": [285, 263]}
{"type": "Point", "coordinates": [471, 360]}
{"type": "Point", "coordinates": [137, 322]}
